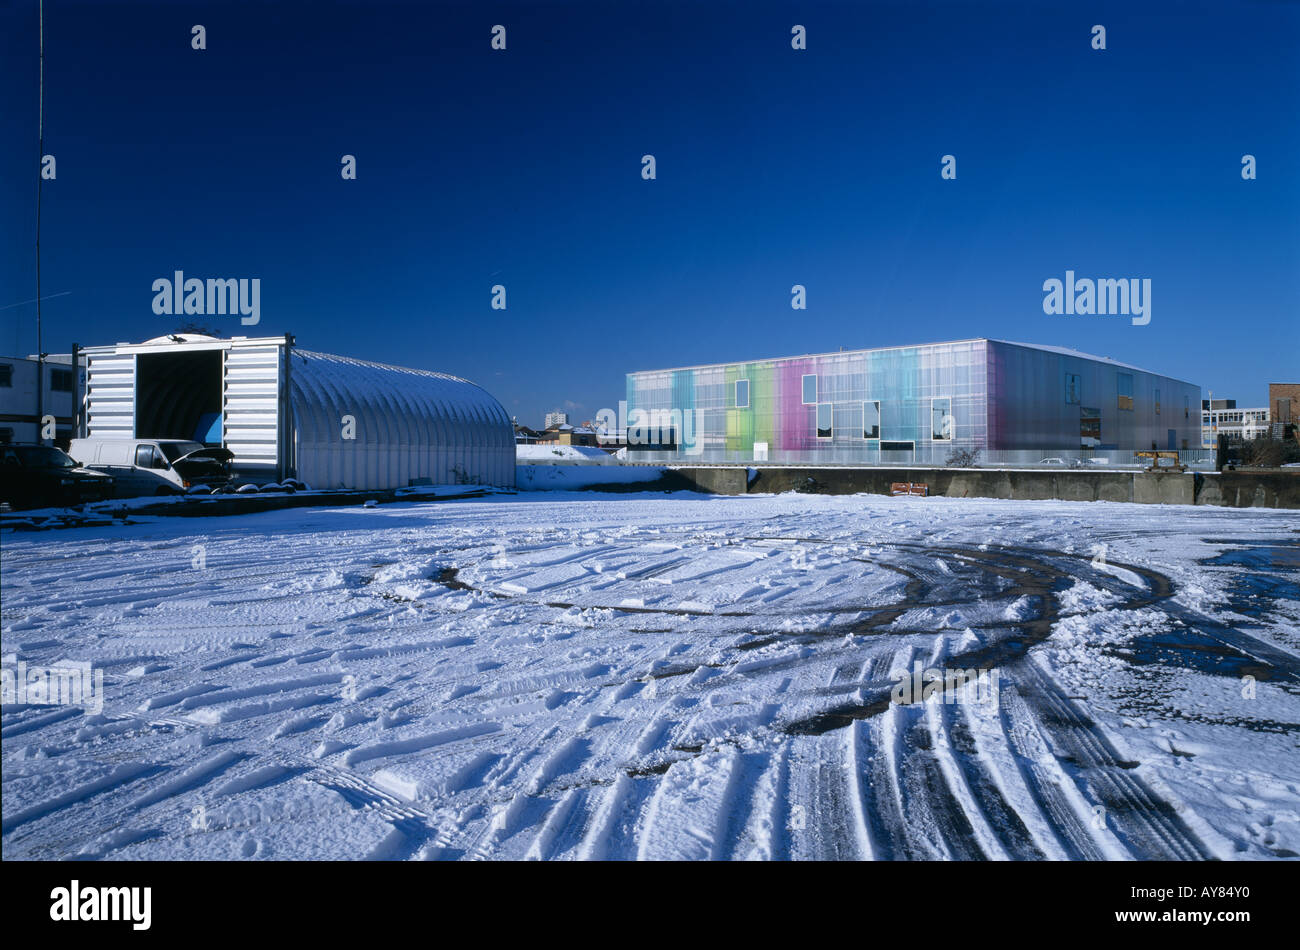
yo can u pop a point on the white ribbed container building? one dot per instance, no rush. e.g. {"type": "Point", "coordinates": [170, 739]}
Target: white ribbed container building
{"type": "Point", "coordinates": [329, 421]}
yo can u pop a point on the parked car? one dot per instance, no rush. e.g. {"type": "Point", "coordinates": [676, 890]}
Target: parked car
{"type": "Point", "coordinates": [1052, 461]}
{"type": "Point", "coordinates": [41, 476]}
{"type": "Point", "coordinates": [155, 466]}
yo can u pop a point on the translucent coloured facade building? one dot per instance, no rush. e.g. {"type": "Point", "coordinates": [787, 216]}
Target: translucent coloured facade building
{"type": "Point", "coordinates": [1015, 402]}
{"type": "Point", "coordinates": [330, 421]}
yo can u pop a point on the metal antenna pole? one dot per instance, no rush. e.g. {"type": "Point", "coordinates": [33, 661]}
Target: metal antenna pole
{"type": "Point", "coordinates": [40, 157]}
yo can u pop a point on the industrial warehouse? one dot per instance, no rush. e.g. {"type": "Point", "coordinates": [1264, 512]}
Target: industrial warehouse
{"type": "Point", "coordinates": [329, 421]}
{"type": "Point", "coordinates": [1013, 402]}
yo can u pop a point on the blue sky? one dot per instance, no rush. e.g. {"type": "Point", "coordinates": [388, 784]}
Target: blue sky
{"type": "Point", "coordinates": [775, 167]}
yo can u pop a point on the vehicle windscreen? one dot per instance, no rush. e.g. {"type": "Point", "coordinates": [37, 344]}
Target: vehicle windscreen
{"type": "Point", "coordinates": [175, 450]}
{"type": "Point", "coordinates": [41, 456]}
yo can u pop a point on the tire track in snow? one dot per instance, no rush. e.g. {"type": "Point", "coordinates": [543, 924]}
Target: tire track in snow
{"type": "Point", "coordinates": [1068, 814]}
{"type": "Point", "coordinates": [118, 777]}
{"type": "Point", "coordinates": [688, 815]}
{"type": "Point", "coordinates": [828, 799]}
{"type": "Point", "coordinates": [765, 835]}
{"type": "Point", "coordinates": [1011, 836]}
{"type": "Point", "coordinates": [1141, 817]}
{"type": "Point", "coordinates": [412, 829]}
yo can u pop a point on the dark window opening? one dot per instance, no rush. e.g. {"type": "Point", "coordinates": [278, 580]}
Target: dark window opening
{"type": "Point", "coordinates": [61, 380]}
{"type": "Point", "coordinates": [175, 393]}
{"type": "Point", "coordinates": [1089, 427]}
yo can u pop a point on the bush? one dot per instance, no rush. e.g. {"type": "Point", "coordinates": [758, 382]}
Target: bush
{"type": "Point", "coordinates": [1261, 453]}
{"type": "Point", "coordinates": [463, 477]}
{"type": "Point", "coordinates": [963, 458]}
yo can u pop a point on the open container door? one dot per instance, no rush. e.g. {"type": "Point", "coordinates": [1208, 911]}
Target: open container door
{"type": "Point", "coordinates": [252, 406]}
{"type": "Point", "coordinates": [109, 409]}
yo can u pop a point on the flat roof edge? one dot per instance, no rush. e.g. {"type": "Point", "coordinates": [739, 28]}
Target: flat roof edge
{"type": "Point", "coordinates": [219, 343]}
{"type": "Point", "coordinates": [804, 356]}
{"type": "Point", "coordinates": [1038, 347]}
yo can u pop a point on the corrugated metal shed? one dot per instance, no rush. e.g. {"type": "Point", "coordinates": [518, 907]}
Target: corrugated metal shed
{"type": "Point", "coordinates": [331, 421]}
{"type": "Point", "coordinates": [409, 424]}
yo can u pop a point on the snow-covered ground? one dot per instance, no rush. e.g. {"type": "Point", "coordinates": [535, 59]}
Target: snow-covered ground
{"type": "Point", "coordinates": [561, 477]}
{"type": "Point", "coordinates": [558, 675]}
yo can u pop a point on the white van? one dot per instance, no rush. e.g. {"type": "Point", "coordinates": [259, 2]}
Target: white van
{"type": "Point", "coordinates": [154, 466]}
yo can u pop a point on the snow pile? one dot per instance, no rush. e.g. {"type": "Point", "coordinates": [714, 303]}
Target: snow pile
{"type": "Point", "coordinates": [542, 454]}
{"type": "Point", "coordinates": [578, 477]}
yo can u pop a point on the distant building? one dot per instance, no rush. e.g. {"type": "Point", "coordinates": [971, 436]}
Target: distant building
{"type": "Point", "coordinates": [526, 436]}
{"type": "Point", "coordinates": [1284, 403]}
{"type": "Point", "coordinates": [1013, 402]}
{"type": "Point", "coordinates": [19, 421]}
{"type": "Point", "coordinates": [1222, 417]}
{"type": "Point", "coordinates": [565, 434]}
{"type": "Point", "coordinates": [556, 419]}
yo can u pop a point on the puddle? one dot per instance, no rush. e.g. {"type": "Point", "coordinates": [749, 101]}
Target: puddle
{"type": "Point", "coordinates": [1191, 650]}
{"type": "Point", "coordinates": [1259, 578]}
{"type": "Point", "coordinates": [1279, 555]}
{"type": "Point", "coordinates": [449, 577]}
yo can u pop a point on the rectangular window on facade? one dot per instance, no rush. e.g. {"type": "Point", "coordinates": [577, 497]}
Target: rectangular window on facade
{"type": "Point", "coordinates": [742, 394]}
{"type": "Point", "coordinates": [1124, 387]}
{"type": "Point", "coordinates": [871, 419]}
{"type": "Point", "coordinates": [942, 424]}
{"type": "Point", "coordinates": [810, 389]}
{"type": "Point", "coordinates": [1073, 385]}
{"type": "Point", "coordinates": [6, 434]}
{"type": "Point", "coordinates": [1089, 427]}
{"type": "Point", "coordinates": [824, 415]}
{"type": "Point", "coordinates": [897, 446]}
{"type": "Point", "coordinates": [6, 374]}
{"type": "Point", "coordinates": [1157, 402]}
{"type": "Point", "coordinates": [61, 380]}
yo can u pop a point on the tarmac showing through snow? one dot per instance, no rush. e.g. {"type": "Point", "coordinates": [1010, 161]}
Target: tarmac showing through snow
{"type": "Point", "coordinates": [662, 676]}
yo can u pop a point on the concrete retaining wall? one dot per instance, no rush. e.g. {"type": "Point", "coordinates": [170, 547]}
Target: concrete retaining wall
{"type": "Point", "coordinates": [1270, 489]}
{"type": "Point", "coordinates": [1276, 488]}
